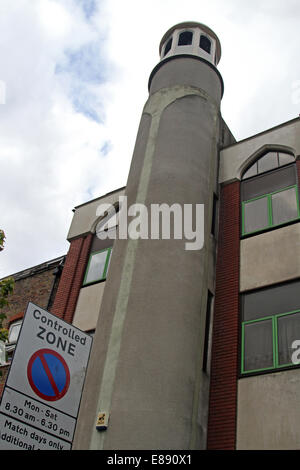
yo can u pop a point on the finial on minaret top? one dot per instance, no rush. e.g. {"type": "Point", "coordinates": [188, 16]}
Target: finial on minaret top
{"type": "Point", "coordinates": [193, 39]}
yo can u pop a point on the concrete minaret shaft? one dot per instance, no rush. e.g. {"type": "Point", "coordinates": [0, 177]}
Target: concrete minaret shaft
{"type": "Point", "coordinates": [146, 363]}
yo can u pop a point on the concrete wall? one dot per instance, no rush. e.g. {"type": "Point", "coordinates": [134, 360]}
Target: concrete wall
{"type": "Point", "coordinates": [270, 257]}
{"type": "Point", "coordinates": [234, 159]}
{"type": "Point", "coordinates": [268, 412]}
{"type": "Point", "coordinates": [184, 71]}
{"type": "Point", "coordinates": [85, 215]}
{"type": "Point", "coordinates": [146, 360]}
{"type": "Point", "coordinates": [88, 306]}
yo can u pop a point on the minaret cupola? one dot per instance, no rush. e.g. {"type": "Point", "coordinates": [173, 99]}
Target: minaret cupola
{"type": "Point", "coordinates": [192, 39]}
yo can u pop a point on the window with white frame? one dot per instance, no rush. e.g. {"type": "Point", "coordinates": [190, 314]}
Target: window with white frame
{"type": "Point", "coordinates": [13, 334]}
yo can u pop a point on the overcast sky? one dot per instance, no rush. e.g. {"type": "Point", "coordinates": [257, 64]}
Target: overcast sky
{"type": "Point", "coordinates": [74, 76]}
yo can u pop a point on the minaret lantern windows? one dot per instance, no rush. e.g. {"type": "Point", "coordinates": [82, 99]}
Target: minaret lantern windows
{"type": "Point", "coordinates": [168, 46]}
{"type": "Point", "coordinates": [185, 38]}
{"type": "Point", "coordinates": [205, 43]}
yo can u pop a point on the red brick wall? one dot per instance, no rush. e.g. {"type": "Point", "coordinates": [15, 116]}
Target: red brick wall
{"type": "Point", "coordinates": [71, 278]}
{"type": "Point", "coordinates": [224, 363]}
{"type": "Point", "coordinates": [35, 288]}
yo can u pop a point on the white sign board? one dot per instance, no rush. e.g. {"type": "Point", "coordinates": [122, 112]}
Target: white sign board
{"type": "Point", "coordinates": [41, 398]}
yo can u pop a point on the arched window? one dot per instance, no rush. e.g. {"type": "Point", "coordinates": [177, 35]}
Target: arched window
{"type": "Point", "coordinates": [205, 43]}
{"type": "Point", "coordinates": [107, 225]}
{"type": "Point", "coordinates": [185, 38]}
{"type": "Point", "coordinates": [269, 161]}
{"type": "Point", "coordinates": [168, 46]}
{"type": "Point", "coordinates": [269, 193]}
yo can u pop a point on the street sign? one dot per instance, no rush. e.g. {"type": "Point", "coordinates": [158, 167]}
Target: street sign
{"type": "Point", "coordinates": [41, 398]}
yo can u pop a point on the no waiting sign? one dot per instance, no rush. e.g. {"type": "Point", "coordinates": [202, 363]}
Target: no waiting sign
{"type": "Point", "coordinates": [43, 389]}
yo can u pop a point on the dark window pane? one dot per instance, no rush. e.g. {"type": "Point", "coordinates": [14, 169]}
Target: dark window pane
{"type": "Point", "coordinates": [258, 345]}
{"type": "Point", "coordinates": [288, 331]}
{"type": "Point", "coordinates": [256, 215]}
{"type": "Point", "coordinates": [205, 44]}
{"type": "Point", "coordinates": [284, 206]}
{"type": "Point", "coordinates": [268, 162]}
{"type": "Point", "coordinates": [168, 46]}
{"type": "Point", "coordinates": [185, 38]}
{"type": "Point", "coordinates": [285, 158]}
{"type": "Point", "coordinates": [252, 171]}
{"type": "Point", "coordinates": [271, 301]}
{"type": "Point", "coordinates": [268, 182]}
{"type": "Point", "coordinates": [99, 244]}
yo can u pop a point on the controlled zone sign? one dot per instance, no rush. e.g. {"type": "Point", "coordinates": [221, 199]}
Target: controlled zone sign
{"type": "Point", "coordinates": [40, 401]}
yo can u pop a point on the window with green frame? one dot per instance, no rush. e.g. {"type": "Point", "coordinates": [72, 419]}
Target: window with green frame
{"type": "Point", "coordinates": [270, 324]}
{"type": "Point", "coordinates": [270, 199]}
{"type": "Point", "coordinates": [270, 210]}
{"type": "Point", "coordinates": [97, 267]}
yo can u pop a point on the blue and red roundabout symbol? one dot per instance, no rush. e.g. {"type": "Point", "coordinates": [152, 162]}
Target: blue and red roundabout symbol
{"type": "Point", "coordinates": [48, 374]}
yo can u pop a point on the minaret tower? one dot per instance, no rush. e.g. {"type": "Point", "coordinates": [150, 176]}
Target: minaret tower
{"type": "Point", "coordinates": [148, 367]}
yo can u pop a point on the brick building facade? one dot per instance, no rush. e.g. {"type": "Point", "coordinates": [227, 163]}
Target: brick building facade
{"type": "Point", "coordinates": [38, 285]}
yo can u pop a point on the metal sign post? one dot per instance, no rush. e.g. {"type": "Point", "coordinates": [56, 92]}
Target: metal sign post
{"type": "Point", "coordinates": [41, 398]}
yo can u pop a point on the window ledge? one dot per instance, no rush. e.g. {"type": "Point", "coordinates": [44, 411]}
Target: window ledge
{"type": "Point", "coordinates": [269, 229]}
{"type": "Point", "coordinates": [268, 371]}
{"type": "Point", "coordinates": [93, 283]}
{"type": "Point", "coordinates": [6, 364]}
